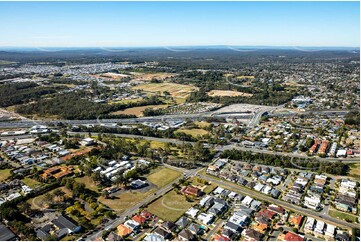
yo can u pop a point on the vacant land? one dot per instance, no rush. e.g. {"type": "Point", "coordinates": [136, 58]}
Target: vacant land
{"type": "Point", "coordinates": [245, 77]}
{"type": "Point", "coordinates": [89, 183]}
{"type": "Point", "coordinates": [126, 101]}
{"type": "Point", "coordinates": [170, 206]}
{"type": "Point", "coordinates": [354, 170]}
{"type": "Point", "coordinates": [344, 216]}
{"type": "Point", "coordinates": [125, 200]}
{"type": "Point", "coordinates": [151, 76]}
{"type": "Point", "coordinates": [176, 90]}
{"type": "Point", "coordinates": [138, 111]}
{"type": "Point", "coordinates": [193, 132]}
{"type": "Point", "coordinates": [228, 93]}
{"type": "Point", "coordinates": [202, 124]}
{"type": "Point", "coordinates": [4, 174]}
{"type": "Point", "coordinates": [163, 177]}
{"type": "Point", "coordinates": [41, 202]}
{"type": "Point", "coordinates": [31, 182]}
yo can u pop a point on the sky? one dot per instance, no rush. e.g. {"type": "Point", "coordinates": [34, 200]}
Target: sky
{"type": "Point", "coordinates": [128, 24]}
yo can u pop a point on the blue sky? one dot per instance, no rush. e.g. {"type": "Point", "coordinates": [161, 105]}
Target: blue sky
{"type": "Point", "coordinates": [85, 24]}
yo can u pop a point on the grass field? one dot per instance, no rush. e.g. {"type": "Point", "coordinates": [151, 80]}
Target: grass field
{"type": "Point", "coordinates": [126, 101]}
{"type": "Point", "coordinates": [31, 182]}
{"type": "Point", "coordinates": [202, 124]}
{"type": "Point", "coordinates": [39, 202]}
{"type": "Point", "coordinates": [170, 206]}
{"type": "Point", "coordinates": [245, 77]}
{"type": "Point", "coordinates": [228, 93]}
{"type": "Point", "coordinates": [138, 111]}
{"type": "Point", "coordinates": [193, 132]}
{"type": "Point", "coordinates": [125, 200]}
{"type": "Point", "coordinates": [176, 90]}
{"type": "Point", "coordinates": [341, 215]}
{"type": "Point", "coordinates": [201, 183]}
{"type": "Point", "coordinates": [88, 183]}
{"type": "Point", "coordinates": [150, 76]}
{"type": "Point", "coordinates": [4, 174]}
{"type": "Point", "coordinates": [163, 176]}
{"type": "Point", "coordinates": [354, 170]}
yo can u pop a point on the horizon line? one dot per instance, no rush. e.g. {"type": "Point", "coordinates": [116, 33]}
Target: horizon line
{"type": "Point", "coordinates": [182, 46]}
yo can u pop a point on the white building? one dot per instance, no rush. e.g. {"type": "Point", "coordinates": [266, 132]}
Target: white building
{"type": "Point", "coordinates": [205, 218]}
{"type": "Point", "coordinates": [312, 202]}
{"type": "Point", "coordinates": [320, 226]}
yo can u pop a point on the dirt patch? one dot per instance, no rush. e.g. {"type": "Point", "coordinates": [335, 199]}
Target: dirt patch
{"type": "Point", "coordinates": [228, 93]}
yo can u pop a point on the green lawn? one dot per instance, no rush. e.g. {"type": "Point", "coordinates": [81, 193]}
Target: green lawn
{"type": "Point", "coordinates": [31, 182]}
{"type": "Point", "coordinates": [4, 174]}
{"type": "Point", "coordinates": [88, 181]}
{"type": "Point", "coordinates": [125, 200]}
{"type": "Point", "coordinates": [341, 215]}
{"type": "Point", "coordinates": [163, 177]}
{"type": "Point", "coordinates": [354, 170]}
{"type": "Point", "coordinates": [193, 132]}
{"type": "Point", "coordinates": [170, 206]}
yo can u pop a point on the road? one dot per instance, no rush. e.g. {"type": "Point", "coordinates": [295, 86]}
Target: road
{"type": "Point", "coordinates": [284, 204]}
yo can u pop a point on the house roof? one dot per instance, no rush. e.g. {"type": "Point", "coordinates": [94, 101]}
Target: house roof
{"type": "Point", "coordinates": [293, 237]}
{"type": "Point", "coordinates": [162, 232]}
{"type": "Point", "coordinates": [139, 219]}
{"type": "Point", "coordinates": [254, 234]}
{"type": "Point", "coordinates": [193, 227]}
{"type": "Point", "coordinates": [296, 220]}
{"type": "Point", "coordinates": [145, 214]}
{"type": "Point", "coordinates": [153, 237]}
{"type": "Point", "coordinates": [124, 230]}
{"type": "Point", "coordinates": [182, 222]}
{"type": "Point", "coordinates": [266, 213]}
{"type": "Point", "coordinates": [219, 237]}
{"type": "Point", "coordinates": [64, 221]}
{"type": "Point", "coordinates": [260, 227]}
{"type": "Point", "coordinates": [186, 234]}
{"type": "Point", "coordinates": [168, 225]}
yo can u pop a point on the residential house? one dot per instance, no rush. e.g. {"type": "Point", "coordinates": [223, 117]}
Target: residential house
{"type": "Point", "coordinates": [186, 235]}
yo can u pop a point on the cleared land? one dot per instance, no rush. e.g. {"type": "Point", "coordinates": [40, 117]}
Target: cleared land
{"type": "Point", "coordinates": [170, 206]}
{"type": "Point", "coordinates": [228, 93]}
{"type": "Point", "coordinates": [4, 174]}
{"type": "Point", "coordinates": [245, 77]}
{"type": "Point", "coordinates": [163, 177]}
{"type": "Point", "coordinates": [125, 200]}
{"type": "Point", "coordinates": [354, 170]}
{"type": "Point", "coordinates": [193, 132]}
{"type": "Point", "coordinates": [31, 182]}
{"type": "Point", "coordinates": [150, 76]}
{"type": "Point", "coordinates": [88, 182]}
{"type": "Point", "coordinates": [138, 111]}
{"type": "Point", "coordinates": [40, 202]}
{"type": "Point", "coordinates": [202, 124]}
{"type": "Point", "coordinates": [341, 215]}
{"type": "Point", "coordinates": [176, 90]}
